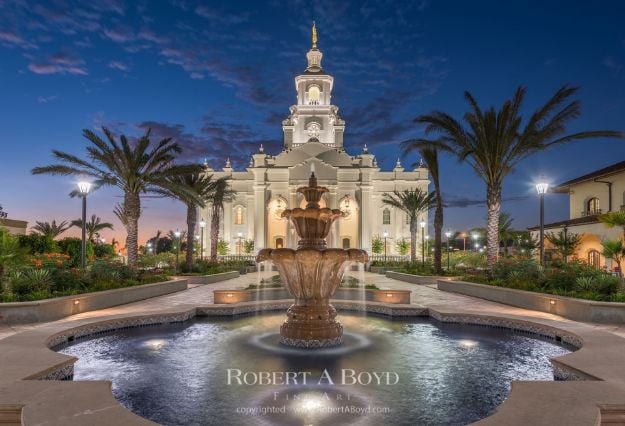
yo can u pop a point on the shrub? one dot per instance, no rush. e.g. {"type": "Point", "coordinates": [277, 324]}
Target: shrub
{"type": "Point", "coordinates": [104, 251]}
{"type": "Point", "coordinates": [37, 244]}
{"type": "Point", "coordinates": [223, 248]}
{"type": "Point", "coordinates": [403, 246]}
{"type": "Point", "coordinates": [377, 245]}
{"type": "Point", "coordinates": [72, 247]}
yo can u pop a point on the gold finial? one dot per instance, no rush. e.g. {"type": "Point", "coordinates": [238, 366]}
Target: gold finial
{"type": "Point", "coordinates": [314, 36]}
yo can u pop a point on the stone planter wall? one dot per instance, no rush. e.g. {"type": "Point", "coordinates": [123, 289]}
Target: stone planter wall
{"type": "Point", "coordinates": [238, 296]}
{"type": "Point", "coordinates": [53, 309]}
{"type": "Point", "coordinates": [575, 309]}
{"type": "Point", "coordinates": [415, 279]}
{"type": "Point", "coordinates": [209, 279]}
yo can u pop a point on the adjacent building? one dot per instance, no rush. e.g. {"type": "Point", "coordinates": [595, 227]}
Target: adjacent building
{"type": "Point", "coordinates": [590, 196]}
{"type": "Point", "coordinates": [313, 141]}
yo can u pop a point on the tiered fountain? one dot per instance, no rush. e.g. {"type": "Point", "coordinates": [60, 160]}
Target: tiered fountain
{"type": "Point", "coordinates": [312, 273]}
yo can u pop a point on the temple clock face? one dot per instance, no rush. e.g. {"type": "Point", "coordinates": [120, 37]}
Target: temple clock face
{"type": "Point", "coordinates": [313, 130]}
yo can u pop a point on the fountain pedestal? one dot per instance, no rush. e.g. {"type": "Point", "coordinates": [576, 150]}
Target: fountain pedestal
{"type": "Point", "coordinates": [312, 273]}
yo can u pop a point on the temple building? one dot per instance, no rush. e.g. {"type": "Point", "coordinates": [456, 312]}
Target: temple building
{"type": "Point", "coordinates": [313, 141]}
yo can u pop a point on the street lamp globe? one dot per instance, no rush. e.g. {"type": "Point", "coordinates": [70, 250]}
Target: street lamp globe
{"type": "Point", "coordinates": [177, 233]}
{"type": "Point", "coordinates": [385, 234]}
{"type": "Point", "coordinates": [448, 234]}
{"type": "Point", "coordinates": [542, 188]}
{"type": "Point", "coordinates": [202, 223]}
{"type": "Point", "coordinates": [239, 234]}
{"type": "Point", "coordinates": [422, 224]}
{"type": "Point", "coordinates": [84, 187]}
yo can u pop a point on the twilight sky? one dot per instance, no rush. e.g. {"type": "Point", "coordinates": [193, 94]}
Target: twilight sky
{"type": "Point", "coordinates": [218, 76]}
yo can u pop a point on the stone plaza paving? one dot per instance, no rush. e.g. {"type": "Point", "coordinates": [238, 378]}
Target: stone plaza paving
{"type": "Point", "coordinates": [593, 394]}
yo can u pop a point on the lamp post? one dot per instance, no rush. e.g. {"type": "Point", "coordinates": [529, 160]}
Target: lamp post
{"type": "Point", "coordinates": [542, 188]}
{"type": "Point", "coordinates": [385, 237]}
{"type": "Point", "coordinates": [177, 235]}
{"type": "Point", "coordinates": [240, 237]}
{"type": "Point", "coordinates": [84, 188]}
{"type": "Point", "coordinates": [149, 248]}
{"type": "Point", "coordinates": [422, 242]}
{"type": "Point", "coordinates": [475, 236]}
{"type": "Point", "coordinates": [202, 226]}
{"type": "Point", "coordinates": [448, 235]}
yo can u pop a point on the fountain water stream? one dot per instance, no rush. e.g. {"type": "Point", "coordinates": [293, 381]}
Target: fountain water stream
{"type": "Point", "coordinates": [312, 273]}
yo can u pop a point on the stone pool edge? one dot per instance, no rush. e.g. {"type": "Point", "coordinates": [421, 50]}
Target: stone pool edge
{"type": "Point", "coordinates": [25, 357]}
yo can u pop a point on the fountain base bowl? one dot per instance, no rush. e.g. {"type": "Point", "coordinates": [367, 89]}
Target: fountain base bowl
{"type": "Point", "coordinates": [311, 344]}
{"type": "Point", "coordinates": [311, 326]}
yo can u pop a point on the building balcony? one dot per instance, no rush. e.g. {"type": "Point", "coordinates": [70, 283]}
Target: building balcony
{"type": "Point", "coordinates": [595, 212]}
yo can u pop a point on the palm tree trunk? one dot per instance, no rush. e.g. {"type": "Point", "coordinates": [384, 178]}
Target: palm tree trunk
{"type": "Point", "coordinates": [438, 231]}
{"type": "Point", "coordinates": [214, 233]}
{"type": "Point", "coordinates": [132, 208]}
{"type": "Point", "coordinates": [191, 223]}
{"type": "Point", "coordinates": [493, 203]}
{"type": "Point", "coordinates": [413, 239]}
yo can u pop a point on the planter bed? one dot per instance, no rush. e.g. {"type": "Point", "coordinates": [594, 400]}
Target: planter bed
{"type": "Point", "coordinates": [60, 307]}
{"type": "Point", "coordinates": [238, 296]}
{"type": "Point", "coordinates": [568, 307]}
{"type": "Point", "coordinates": [209, 279]}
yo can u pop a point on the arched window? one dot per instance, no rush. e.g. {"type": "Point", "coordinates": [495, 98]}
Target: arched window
{"type": "Point", "coordinates": [238, 215]}
{"type": "Point", "coordinates": [314, 95]}
{"type": "Point", "coordinates": [386, 217]}
{"type": "Point", "coordinates": [279, 242]}
{"type": "Point", "coordinates": [592, 206]}
{"type": "Point", "coordinates": [345, 243]}
{"type": "Point", "coordinates": [594, 258]}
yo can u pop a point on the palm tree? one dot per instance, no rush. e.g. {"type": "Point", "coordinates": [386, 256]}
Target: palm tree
{"type": "Point", "coordinates": [220, 193]}
{"type": "Point", "coordinates": [615, 250]}
{"type": "Point", "coordinates": [413, 202]}
{"type": "Point", "coordinates": [506, 233]}
{"type": "Point", "coordinates": [566, 243]}
{"type": "Point", "coordinates": [136, 169]}
{"type": "Point", "coordinates": [430, 156]}
{"type": "Point", "coordinates": [198, 188]}
{"type": "Point", "coordinates": [51, 229]}
{"type": "Point", "coordinates": [613, 219]}
{"type": "Point", "coordinates": [93, 226]}
{"type": "Point", "coordinates": [494, 141]}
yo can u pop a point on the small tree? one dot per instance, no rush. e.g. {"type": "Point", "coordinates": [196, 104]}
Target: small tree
{"type": "Point", "coordinates": [223, 248]}
{"type": "Point", "coordinates": [248, 246]}
{"type": "Point", "coordinates": [377, 245]}
{"type": "Point", "coordinates": [615, 250]}
{"type": "Point", "coordinates": [566, 243]}
{"type": "Point", "coordinates": [402, 246]}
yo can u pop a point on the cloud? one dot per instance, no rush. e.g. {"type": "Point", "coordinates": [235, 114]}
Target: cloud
{"type": "Point", "coordinates": [12, 39]}
{"type": "Point", "coordinates": [59, 63]}
{"type": "Point", "coordinates": [46, 99]}
{"type": "Point", "coordinates": [118, 65]}
{"type": "Point", "coordinates": [119, 34]}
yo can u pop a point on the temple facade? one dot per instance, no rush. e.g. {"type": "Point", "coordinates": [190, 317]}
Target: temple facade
{"type": "Point", "coordinates": [313, 141]}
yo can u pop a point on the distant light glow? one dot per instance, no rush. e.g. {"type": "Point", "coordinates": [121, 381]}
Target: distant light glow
{"type": "Point", "coordinates": [542, 188]}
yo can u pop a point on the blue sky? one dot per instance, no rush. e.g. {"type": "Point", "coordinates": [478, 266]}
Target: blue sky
{"type": "Point", "coordinates": [218, 76]}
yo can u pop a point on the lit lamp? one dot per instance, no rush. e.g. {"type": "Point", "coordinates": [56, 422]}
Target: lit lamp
{"type": "Point", "coordinates": [149, 248]}
{"type": "Point", "coordinates": [177, 235]}
{"type": "Point", "coordinates": [422, 242]}
{"type": "Point", "coordinates": [541, 189]}
{"type": "Point", "coordinates": [475, 236]}
{"type": "Point", "coordinates": [83, 189]}
{"type": "Point", "coordinates": [385, 237]}
{"type": "Point", "coordinates": [448, 235]}
{"type": "Point", "coordinates": [202, 226]}
{"type": "Point", "coordinates": [240, 237]}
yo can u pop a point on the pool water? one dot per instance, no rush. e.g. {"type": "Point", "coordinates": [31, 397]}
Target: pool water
{"type": "Point", "coordinates": [217, 371]}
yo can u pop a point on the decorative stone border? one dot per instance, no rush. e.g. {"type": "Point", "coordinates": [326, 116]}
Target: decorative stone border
{"type": "Point", "coordinates": [415, 279]}
{"type": "Point", "coordinates": [230, 297]}
{"type": "Point", "coordinates": [577, 367]}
